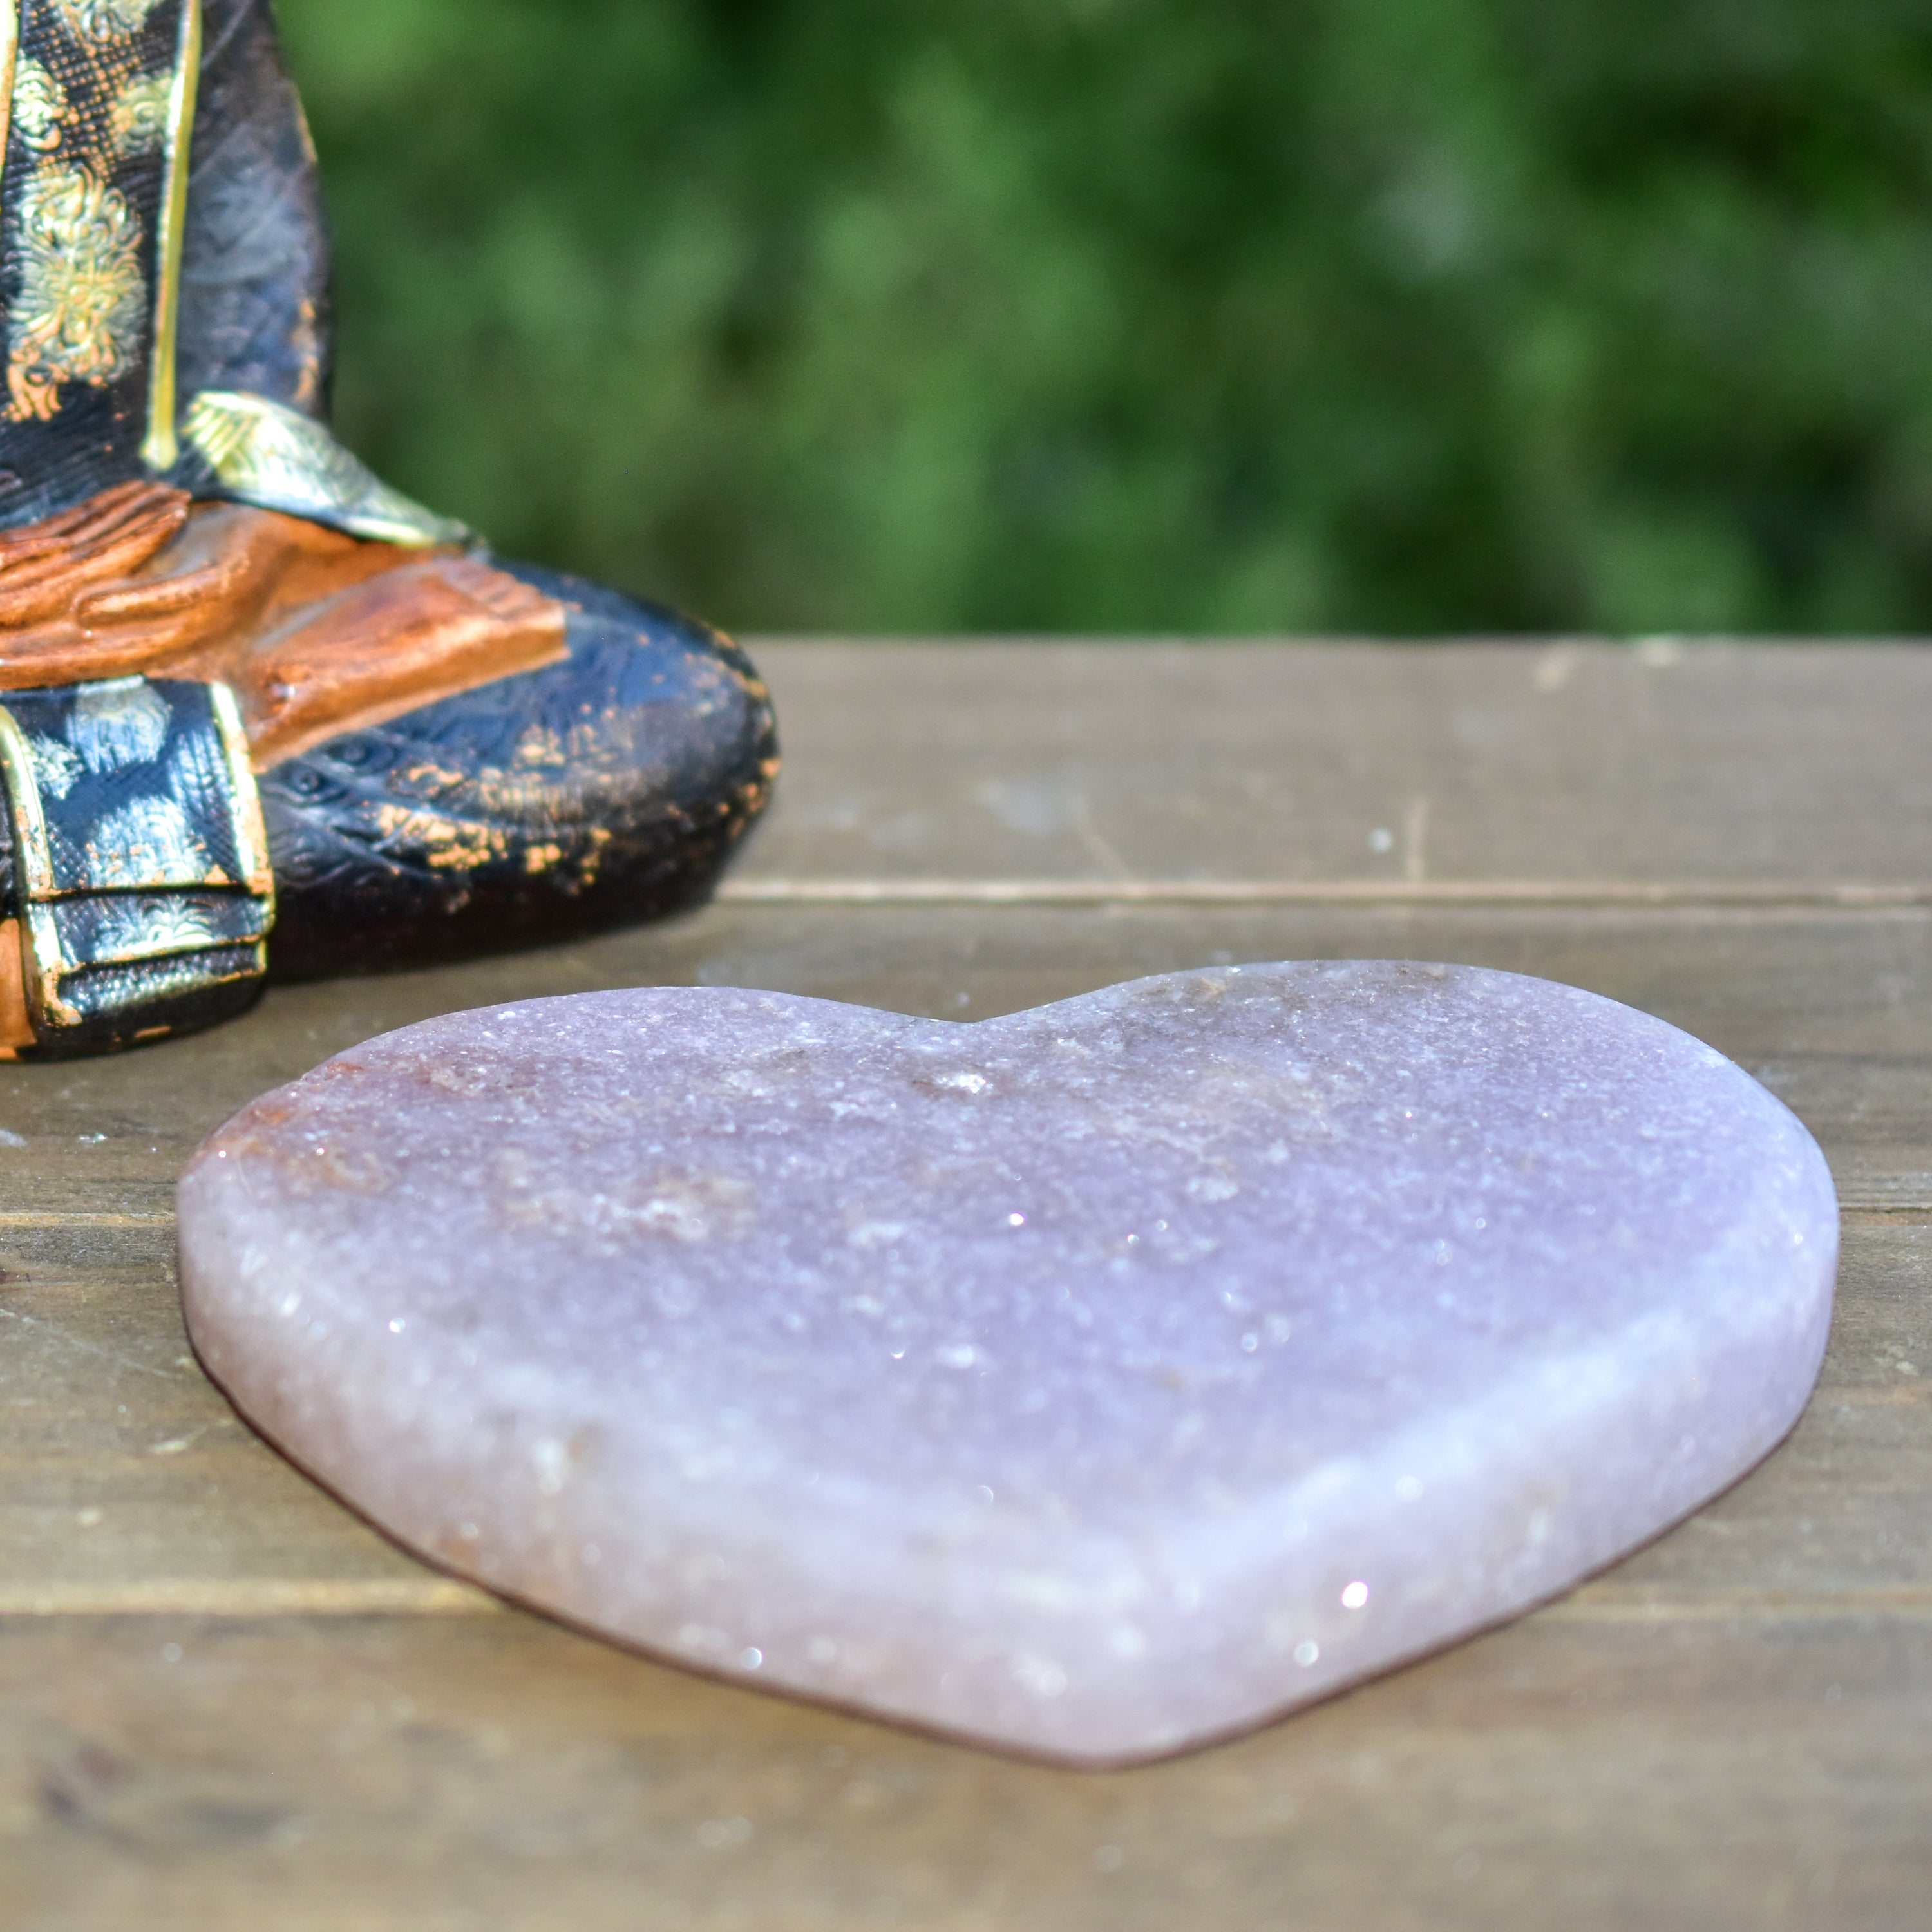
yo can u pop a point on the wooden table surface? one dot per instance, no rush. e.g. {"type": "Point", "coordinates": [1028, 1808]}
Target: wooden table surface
{"type": "Point", "coordinates": [224, 1702]}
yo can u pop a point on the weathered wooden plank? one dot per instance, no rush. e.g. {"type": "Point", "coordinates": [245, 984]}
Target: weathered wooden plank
{"type": "Point", "coordinates": [101, 1410]}
{"type": "Point", "coordinates": [1834, 1010]}
{"type": "Point", "coordinates": [1567, 763]}
{"type": "Point", "coordinates": [223, 1702]}
{"type": "Point", "coordinates": [401, 1773]}
{"type": "Point", "coordinates": [126, 1483]}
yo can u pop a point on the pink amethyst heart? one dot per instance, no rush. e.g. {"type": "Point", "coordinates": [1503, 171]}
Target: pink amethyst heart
{"type": "Point", "coordinates": [1090, 1382]}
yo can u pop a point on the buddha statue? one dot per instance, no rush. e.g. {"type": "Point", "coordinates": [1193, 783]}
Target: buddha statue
{"type": "Point", "coordinates": [258, 711]}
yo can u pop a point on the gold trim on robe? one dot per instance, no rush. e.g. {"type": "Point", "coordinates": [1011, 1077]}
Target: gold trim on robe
{"type": "Point", "coordinates": [161, 450]}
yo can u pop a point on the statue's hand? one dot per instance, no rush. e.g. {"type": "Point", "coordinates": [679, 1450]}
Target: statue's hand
{"type": "Point", "coordinates": [138, 581]}
{"type": "Point", "coordinates": [47, 566]}
{"type": "Point", "coordinates": [315, 631]}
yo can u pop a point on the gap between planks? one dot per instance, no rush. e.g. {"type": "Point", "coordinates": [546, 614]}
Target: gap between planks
{"type": "Point", "coordinates": [252, 1596]}
{"type": "Point", "coordinates": [1879, 1211]}
{"type": "Point", "coordinates": [57, 1217]}
{"type": "Point", "coordinates": [268, 1598]}
{"type": "Point", "coordinates": [1771, 896]}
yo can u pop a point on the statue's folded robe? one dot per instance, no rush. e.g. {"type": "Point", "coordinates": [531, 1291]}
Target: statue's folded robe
{"type": "Point", "coordinates": [317, 633]}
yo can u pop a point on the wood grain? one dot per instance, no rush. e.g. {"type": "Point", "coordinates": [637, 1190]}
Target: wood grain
{"type": "Point", "coordinates": [1661, 765]}
{"type": "Point", "coordinates": [481, 1773]}
{"type": "Point", "coordinates": [126, 1483]}
{"type": "Point", "coordinates": [225, 1701]}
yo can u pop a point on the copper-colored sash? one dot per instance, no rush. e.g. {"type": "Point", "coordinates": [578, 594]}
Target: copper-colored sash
{"type": "Point", "coordinates": [318, 633]}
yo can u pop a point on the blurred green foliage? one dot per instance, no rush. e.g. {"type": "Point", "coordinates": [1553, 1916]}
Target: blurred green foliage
{"type": "Point", "coordinates": [1387, 316]}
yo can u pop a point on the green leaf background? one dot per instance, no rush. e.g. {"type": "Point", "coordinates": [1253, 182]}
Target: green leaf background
{"type": "Point", "coordinates": [1399, 316]}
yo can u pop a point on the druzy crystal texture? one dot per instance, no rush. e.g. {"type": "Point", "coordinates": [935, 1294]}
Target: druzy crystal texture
{"type": "Point", "coordinates": [1091, 1382]}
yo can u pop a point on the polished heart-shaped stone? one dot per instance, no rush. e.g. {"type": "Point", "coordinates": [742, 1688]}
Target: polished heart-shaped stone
{"type": "Point", "coordinates": [1091, 1382]}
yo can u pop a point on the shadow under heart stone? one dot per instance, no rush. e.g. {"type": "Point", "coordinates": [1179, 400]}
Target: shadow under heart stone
{"type": "Point", "coordinates": [1090, 1382]}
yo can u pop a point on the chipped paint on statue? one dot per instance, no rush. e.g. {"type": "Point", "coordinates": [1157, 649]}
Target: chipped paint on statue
{"type": "Point", "coordinates": [244, 684]}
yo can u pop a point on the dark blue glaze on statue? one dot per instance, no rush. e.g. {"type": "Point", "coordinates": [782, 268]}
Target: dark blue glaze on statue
{"type": "Point", "coordinates": [94, 440]}
{"type": "Point", "coordinates": [255, 307]}
{"type": "Point", "coordinates": [607, 788]}
{"type": "Point", "coordinates": [630, 771]}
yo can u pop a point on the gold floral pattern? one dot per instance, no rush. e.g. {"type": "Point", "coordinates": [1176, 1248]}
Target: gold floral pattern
{"type": "Point", "coordinates": [101, 20]}
{"type": "Point", "coordinates": [81, 307]}
{"type": "Point", "coordinates": [41, 108]}
{"type": "Point", "coordinates": [139, 116]}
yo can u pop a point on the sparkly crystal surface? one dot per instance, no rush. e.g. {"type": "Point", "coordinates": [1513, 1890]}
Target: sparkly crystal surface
{"type": "Point", "coordinates": [1092, 1381]}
